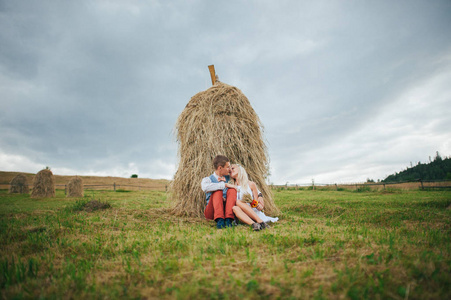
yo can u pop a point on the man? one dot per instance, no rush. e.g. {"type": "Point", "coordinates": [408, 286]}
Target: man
{"type": "Point", "coordinates": [220, 195]}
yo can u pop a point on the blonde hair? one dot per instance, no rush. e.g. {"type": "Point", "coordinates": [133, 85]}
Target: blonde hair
{"type": "Point", "coordinates": [242, 178]}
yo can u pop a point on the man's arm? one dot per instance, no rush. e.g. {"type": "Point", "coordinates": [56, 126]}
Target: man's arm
{"type": "Point", "coordinates": [208, 186]}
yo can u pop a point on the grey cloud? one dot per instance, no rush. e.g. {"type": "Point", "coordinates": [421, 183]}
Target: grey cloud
{"type": "Point", "coordinates": [88, 85]}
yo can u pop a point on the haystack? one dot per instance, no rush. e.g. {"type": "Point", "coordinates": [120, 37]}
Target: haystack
{"type": "Point", "coordinates": [19, 185]}
{"type": "Point", "coordinates": [219, 120]}
{"type": "Point", "coordinates": [75, 187]}
{"type": "Point", "coordinates": [43, 185]}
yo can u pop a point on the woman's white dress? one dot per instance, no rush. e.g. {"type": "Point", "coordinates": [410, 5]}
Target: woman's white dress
{"type": "Point", "coordinates": [259, 213]}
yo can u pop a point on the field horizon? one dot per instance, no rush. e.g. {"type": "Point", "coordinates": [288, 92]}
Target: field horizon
{"type": "Point", "coordinates": [107, 182]}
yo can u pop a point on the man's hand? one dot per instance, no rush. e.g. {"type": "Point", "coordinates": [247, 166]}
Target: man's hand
{"type": "Point", "coordinates": [231, 186]}
{"type": "Point", "coordinates": [221, 178]}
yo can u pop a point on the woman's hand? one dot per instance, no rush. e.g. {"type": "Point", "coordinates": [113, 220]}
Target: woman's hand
{"type": "Point", "coordinates": [261, 204]}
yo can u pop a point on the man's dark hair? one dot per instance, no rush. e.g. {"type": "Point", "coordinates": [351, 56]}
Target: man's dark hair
{"type": "Point", "coordinates": [220, 160]}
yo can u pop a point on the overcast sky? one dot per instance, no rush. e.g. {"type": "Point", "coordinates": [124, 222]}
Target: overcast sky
{"type": "Point", "coordinates": [346, 90]}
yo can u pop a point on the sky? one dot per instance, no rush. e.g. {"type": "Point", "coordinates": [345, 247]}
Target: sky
{"type": "Point", "coordinates": [346, 90]}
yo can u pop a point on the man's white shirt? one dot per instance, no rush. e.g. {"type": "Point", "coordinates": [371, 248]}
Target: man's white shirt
{"type": "Point", "coordinates": [209, 186]}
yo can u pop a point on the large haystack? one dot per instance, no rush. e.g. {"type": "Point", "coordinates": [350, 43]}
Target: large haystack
{"type": "Point", "coordinates": [19, 185]}
{"type": "Point", "coordinates": [219, 120]}
{"type": "Point", "coordinates": [43, 185]}
{"type": "Point", "coordinates": [75, 187]}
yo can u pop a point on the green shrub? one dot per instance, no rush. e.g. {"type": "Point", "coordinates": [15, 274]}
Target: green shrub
{"type": "Point", "coordinates": [88, 205]}
{"type": "Point", "coordinates": [363, 189]}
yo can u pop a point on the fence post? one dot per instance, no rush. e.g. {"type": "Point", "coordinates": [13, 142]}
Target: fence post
{"type": "Point", "coordinates": [65, 189]}
{"type": "Point", "coordinates": [422, 186]}
{"type": "Point", "coordinates": [336, 187]}
{"type": "Point", "coordinates": [114, 186]}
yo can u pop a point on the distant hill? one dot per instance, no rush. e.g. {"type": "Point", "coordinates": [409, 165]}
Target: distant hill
{"type": "Point", "coordinates": [438, 169]}
{"type": "Point", "coordinates": [94, 182]}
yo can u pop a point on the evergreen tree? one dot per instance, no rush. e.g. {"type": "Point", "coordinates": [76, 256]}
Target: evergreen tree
{"type": "Point", "coordinates": [437, 169]}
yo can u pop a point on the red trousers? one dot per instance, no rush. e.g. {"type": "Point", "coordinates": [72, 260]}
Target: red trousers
{"type": "Point", "coordinates": [218, 208]}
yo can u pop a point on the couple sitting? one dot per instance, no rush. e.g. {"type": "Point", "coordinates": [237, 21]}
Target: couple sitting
{"type": "Point", "coordinates": [226, 189]}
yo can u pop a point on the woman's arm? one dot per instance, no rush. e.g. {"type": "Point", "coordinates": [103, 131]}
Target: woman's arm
{"type": "Point", "coordinates": [254, 190]}
{"type": "Point", "coordinates": [255, 193]}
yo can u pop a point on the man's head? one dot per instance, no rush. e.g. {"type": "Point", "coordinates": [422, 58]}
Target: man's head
{"type": "Point", "coordinates": [222, 165]}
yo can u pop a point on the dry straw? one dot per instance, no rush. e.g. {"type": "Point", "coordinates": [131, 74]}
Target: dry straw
{"type": "Point", "coordinates": [19, 185]}
{"type": "Point", "coordinates": [43, 185]}
{"type": "Point", "coordinates": [219, 120]}
{"type": "Point", "coordinates": [75, 187]}
{"type": "Point", "coordinates": [247, 198]}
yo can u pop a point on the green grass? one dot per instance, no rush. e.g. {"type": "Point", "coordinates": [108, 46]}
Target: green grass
{"type": "Point", "coordinates": [327, 244]}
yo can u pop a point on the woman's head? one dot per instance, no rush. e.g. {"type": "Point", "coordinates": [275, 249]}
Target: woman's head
{"type": "Point", "coordinates": [240, 175]}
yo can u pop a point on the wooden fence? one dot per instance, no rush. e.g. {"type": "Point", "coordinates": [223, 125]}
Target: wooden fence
{"type": "Point", "coordinates": [114, 187]}
{"type": "Point", "coordinates": [404, 185]}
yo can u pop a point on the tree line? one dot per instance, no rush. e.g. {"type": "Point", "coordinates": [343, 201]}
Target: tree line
{"type": "Point", "coordinates": [437, 169]}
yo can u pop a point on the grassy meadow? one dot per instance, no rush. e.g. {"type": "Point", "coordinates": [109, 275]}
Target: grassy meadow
{"type": "Point", "coordinates": [328, 244]}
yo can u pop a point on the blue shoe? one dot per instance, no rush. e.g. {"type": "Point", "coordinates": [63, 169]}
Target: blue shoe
{"type": "Point", "coordinates": [220, 223]}
{"type": "Point", "coordinates": [228, 222]}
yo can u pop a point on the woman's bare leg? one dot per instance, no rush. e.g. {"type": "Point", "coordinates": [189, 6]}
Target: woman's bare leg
{"type": "Point", "coordinates": [242, 216]}
{"type": "Point", "coordinates": [248, 211]}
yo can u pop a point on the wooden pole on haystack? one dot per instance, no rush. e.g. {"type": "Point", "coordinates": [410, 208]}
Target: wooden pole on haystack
{"type": "Point", "coordinates": [212, 74]}
{"type": "Point", "coordinates": [219, 120]}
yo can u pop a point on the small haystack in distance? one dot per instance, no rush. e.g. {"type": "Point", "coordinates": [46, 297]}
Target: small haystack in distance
{"type": "Point", "coordinates": [43, 185]}
{"type": "Point", "coordinates": [75, 187]}
{"type": "Point", "coordinates": [19, 185]}
{"type": "Point", "coordinates": [219, 120]}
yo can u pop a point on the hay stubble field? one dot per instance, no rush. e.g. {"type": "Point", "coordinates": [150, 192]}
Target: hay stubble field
{"type": "Point", "coordinates": [93, 182]}
{"type": "Point", "coordinates": [327, 244]}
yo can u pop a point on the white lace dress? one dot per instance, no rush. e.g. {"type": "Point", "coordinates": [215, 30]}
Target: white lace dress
{"type": "Point", "coordinates": [259, 213]}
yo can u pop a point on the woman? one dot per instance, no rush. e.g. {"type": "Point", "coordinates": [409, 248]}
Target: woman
{"type": "Point", "coordinates": [243, 211]}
